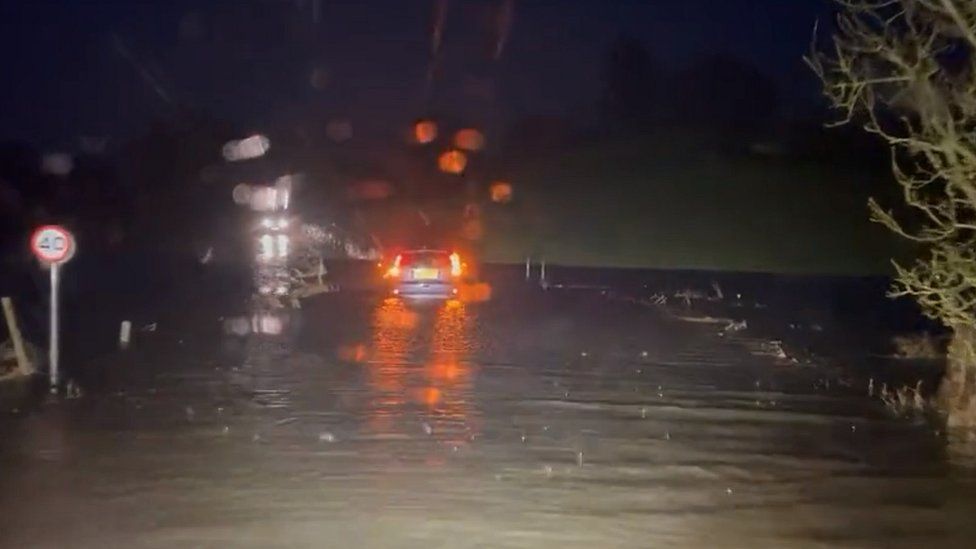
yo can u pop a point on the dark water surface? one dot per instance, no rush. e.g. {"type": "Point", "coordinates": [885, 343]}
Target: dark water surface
{"type": "Point", "coordinates": [532, 420]}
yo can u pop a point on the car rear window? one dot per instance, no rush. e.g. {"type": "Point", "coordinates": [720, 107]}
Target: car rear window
{"type": "Point", "coordinates": [426, 259]}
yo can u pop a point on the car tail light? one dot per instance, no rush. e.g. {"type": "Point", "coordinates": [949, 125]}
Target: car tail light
{"type": "Point", "coordinates": [394, 271]}
{"type": "Point", "coordinates": [455, 264]}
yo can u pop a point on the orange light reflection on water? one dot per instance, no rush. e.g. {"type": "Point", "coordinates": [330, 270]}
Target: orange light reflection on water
{"type": "Point", "coordinates": [421, 363]}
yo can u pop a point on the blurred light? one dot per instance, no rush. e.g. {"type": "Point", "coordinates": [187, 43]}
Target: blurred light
{"type": "Point", "coordinates": [274, 223]}
{"type": "Point", "coordinates": [282, 246]}
{"type": "Point", "coordinates": [264, 323]}
{"type": "Point", "coordinates": [268, 324]}
{"type": "Point", "coordinates": [469, 139]}
{"type": "Point", "coordinates": [394, 271]}
{"type": "Point", "coordinates": [283, 187]}
{"type": "Point", "coordinates": [254, 146]}
{"type": "Point", "coordinates": [339, 130]}
{"type": "Point", "coordinates": [455, 264]}
{"type": "Point", "coordinates": [264, 199]}
{"type": "Point", "coordinates": [452, 162]}
{"type": "Point", "coordinates": [501, 192]}
{"type": "Point", "coordinates": [431, 396]}
{"type": "Point", "coordinates": [242, 194]}
{"type": "Point", "coordinates": [265, 248]}
{"type": "Point", "coordinates": [57, 164]}
{"type": "Point", "coordinates": [425, 131]}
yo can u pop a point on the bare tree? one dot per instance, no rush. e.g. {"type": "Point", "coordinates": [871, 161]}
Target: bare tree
{"type": "Point", "coordinates": [907, 70]}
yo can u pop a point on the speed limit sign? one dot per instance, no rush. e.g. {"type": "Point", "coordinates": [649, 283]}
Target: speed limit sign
{"type": "Point", "coordinates": [52, 244]}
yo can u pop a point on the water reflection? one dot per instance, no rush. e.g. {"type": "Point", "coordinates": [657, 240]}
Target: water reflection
{"type": "Point", "coordinates": [420, 367]}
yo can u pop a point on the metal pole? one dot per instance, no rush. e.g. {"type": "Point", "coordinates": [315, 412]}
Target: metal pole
{"type": "Point", "coordinates": [53, 351]}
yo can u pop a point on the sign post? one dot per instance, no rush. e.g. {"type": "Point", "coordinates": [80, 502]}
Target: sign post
{"type": "Point", "coordinates": [53, 246]}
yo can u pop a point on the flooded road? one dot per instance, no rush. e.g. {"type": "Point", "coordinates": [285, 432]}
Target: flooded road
{"type": "Point", "coordinates": [532, 420]}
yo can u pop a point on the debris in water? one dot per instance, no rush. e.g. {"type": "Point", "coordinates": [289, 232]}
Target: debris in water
{"type": "Point", "coordinates": [728, 491]}
{"type": "Point", "coordinates": [579, 459]}
{"type": "Point", "coordinates": [584, 354]}
{"type": "Point", "coordinates": [667, 435]}
{"type": "Point", "coordinates": [644, 354]}
{"type": "Point", "coordinates": [326, 437]}
{"type": "Point", "coordinates": [151, 327]}
{"type": "Point", "coordinates": [523, 438]}
{"type": "Point", "coordinates": [427, 428]}
{"type": "Point", "coordinates": [190, 413]}
{"type": "Point", "coordinates": [226, 430]}
{"type": "Point", "coordinates": [548, 470]}
{"type": "Point", "coordinates": [853, 428]}
{"type": "Point", "coordinates": [643, 413]}
{"type": "Point", "coordinates": [736, 326]}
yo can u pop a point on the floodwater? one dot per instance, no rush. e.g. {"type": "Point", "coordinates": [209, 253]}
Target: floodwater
{"type": "Point", "coordinates": [532, 420]}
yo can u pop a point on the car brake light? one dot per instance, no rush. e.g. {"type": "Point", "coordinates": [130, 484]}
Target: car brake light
{"type": "Point", "coordinates": [455, 264]}
{"type": "Point", "coordinates": [394, 271]}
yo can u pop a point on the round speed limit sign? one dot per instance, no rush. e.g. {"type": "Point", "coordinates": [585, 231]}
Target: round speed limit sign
{"type": "Point", "coordinates": [52, 244]}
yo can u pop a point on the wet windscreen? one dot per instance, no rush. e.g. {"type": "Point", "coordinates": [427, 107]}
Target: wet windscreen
{"type": "Point", "coordinates": [505, 274]}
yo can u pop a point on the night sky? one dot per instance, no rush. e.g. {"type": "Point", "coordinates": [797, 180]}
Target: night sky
{"type": "Point", "coordinates": [106, 69]}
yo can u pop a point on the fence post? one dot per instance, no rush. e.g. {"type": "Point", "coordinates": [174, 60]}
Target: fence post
{"type": "Point", "coordinates": [23, 364]}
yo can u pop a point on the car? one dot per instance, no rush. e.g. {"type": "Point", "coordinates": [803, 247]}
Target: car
{"type": "Point", "coordinates": [431, 274]}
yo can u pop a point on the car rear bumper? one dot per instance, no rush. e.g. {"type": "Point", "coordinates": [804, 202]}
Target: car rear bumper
{"type": "Point", "coordinates": [429, 290]}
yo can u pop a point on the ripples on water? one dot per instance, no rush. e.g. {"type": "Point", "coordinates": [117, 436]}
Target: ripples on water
{"type": "Point", "coordinates": [490, 425]}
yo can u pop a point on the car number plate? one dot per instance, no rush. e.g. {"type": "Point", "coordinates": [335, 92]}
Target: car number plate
{"type": "Point", "coordinates": [426, 274]}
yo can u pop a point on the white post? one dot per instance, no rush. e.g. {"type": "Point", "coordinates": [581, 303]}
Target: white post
{"type": "Point", "coordinates": [23, 364]}
{"type": "Point", "coordinates": [53, 351]}
{"type": "Point", "coordinates": [125, 334]}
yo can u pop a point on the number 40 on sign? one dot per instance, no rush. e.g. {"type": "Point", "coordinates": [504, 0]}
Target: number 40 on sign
{"type": "Point", "coordinates": [52, 244]}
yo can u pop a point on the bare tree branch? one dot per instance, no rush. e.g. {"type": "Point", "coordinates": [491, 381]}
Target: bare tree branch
{"type": "Point", "coordinates": [906, 71]}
